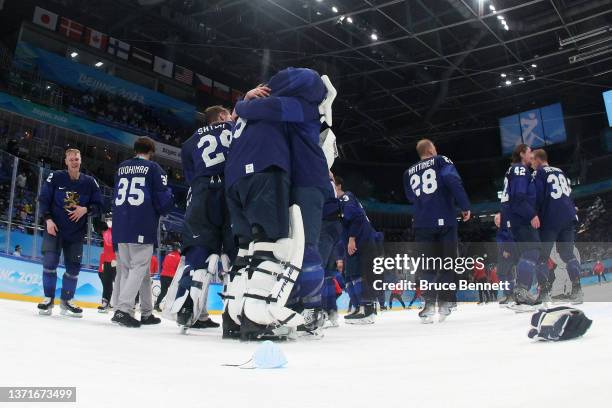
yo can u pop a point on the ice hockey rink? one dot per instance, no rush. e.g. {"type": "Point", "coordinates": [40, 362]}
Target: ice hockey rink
{"type": "Point", "coordinates": [481, 356]}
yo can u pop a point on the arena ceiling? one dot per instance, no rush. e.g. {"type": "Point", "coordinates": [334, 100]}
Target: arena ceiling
{"type": "Point", "coordinates": [403, 68]}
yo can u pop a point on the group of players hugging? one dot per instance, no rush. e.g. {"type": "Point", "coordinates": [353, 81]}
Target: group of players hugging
{"type": "Point", "coordinates": [265, 212]}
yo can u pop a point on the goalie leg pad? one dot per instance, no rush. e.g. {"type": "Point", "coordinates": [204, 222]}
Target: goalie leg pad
{"type": "Point", "coordinates": [235, 283]}
{"type": "Point", "coordinates": [274, 269]}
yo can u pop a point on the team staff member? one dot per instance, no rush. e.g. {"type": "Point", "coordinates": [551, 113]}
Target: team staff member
{"type": "Point", "coordinates": [108, 262]}
{"type": "Point", "coordinates": [66, 199]}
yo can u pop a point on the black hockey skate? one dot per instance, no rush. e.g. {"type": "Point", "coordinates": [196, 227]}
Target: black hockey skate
{"type": "Point", "coordinates": [205, 324]}
{"type": "Point", "coordinates": [124, 319]}
{"type": "Point", "coordinates": [104, 306]}
{"type": "Point", "coordinates": [577, 296]}
{"type": "Point", "coordinates": [149, 320]}
{"type": "Point", "coordinates": [68, 308]}
{"type": "Point", "coordinates": [314, 319]}
{"type": "Point", "coordinates": [251, 331]}
{"type": "Point", "coordinates": [427, 313]}
{"type": "Point", "coordinates": [45, 308]}
{"type": "Point", "coordinates": [444, 310]}
{"type": "Point", "coordinates": [544, 299]}
{"type": "Point", "coordinates": [231, 330]}
{"type": "Point", "coordinates": [524, 301]}
{"type": "Point", "coordinates": [365, 315]}
{"type": "Point", "coordinates": [183, 317]}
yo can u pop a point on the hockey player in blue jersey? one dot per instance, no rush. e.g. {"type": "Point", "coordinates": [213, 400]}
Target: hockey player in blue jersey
{"type": "Point", "coordinates": [435, 188]}
{"type": "Point", "coordinates": [363, 245]}
{"type": "Point", "coordinates": [66, 199]}
{"type": "Point", "coordinates": [506, 253]}
{"type": "Point", "coordinates": [207, 234]}
{"type": "Point", "coordinates": [331, 229]}
{"type": "Point", "coordinates": [292, 105]}
{"type": "Point", "coordinates": [557, 213]}
{"type": "Point", "coordinates": [519, 195]}
{"type": "Point", "coordinates": [141, 196]}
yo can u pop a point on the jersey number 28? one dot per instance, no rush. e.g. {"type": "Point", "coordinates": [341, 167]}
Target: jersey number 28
{"type": "Point", "coordinates": [428, 181]}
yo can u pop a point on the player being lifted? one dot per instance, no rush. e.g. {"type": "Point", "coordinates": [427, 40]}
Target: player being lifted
{"type": "Point", "coordinates": [557, 213]}
{"type": "Point", "coordinates": [66, 198]}
{"type": "Point", "coordinates": [520, 197]}
{"type": "Point", "coordinates": [141, 196]}
{"type": "Point", "coordinates": [435, 187]}
{"type": "Point", "coordinates": [206, 233]}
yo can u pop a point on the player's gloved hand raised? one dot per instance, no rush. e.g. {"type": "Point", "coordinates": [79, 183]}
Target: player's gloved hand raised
{"type": "Point", "coordinates": [466, 215]}
{"type": "Point", "coordinates": [51, 227]}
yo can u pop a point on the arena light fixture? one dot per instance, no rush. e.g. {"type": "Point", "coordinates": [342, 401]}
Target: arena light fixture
{"type": "Point", "coordinates": [98, 64]}
{"type": "Point", "coordinates": [500, 18]}
{"type": "Point", "coordinates": [334, 9]}
{"type": "Point", "coordinates": [492, 8]}
{"type": "Point", "coordinates": [374, 37]}
{"type": "Point", "coordinates": [503, 75]}
{"type": "Point", "coordinates": [534, 65]}
{"type": "Point", "coordinates": [521, 79]}
{"type": "Point", "coordinates": [508, 82]}
{"type": "Point", "coordinates": [586, 35]}
{"type": "Point", "coordinates": [350, 20]}
{"type": "Point", "coordinates": [74, 54]}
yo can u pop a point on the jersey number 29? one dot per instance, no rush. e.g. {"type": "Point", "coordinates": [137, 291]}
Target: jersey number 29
{"type": "Point", "coordinates": [207, 154]}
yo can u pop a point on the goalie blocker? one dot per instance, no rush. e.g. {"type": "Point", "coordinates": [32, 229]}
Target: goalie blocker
{"type": "Point", "coordinates": [559, 323]}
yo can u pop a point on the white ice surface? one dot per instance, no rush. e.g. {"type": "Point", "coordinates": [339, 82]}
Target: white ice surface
{"type": "Point", "coordinates": [480, 357]}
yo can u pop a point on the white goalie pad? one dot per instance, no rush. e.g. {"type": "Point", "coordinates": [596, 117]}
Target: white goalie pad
{"type": "Point", "coordinates": [327, 141]}
{"type": "Point", "coordinates": [171, 294]}
{"type": "Point", "coordinates": [200, 281]}
{"type": "Point", "coordinates": [325, 107]}
{"type": "Point", "coordinates": [272, 280]}
{"type": "Point", "coordinates": [234, 290]}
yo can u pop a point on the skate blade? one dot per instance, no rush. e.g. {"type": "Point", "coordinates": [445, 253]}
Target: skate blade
{"type": "Point", "coordinates": [45, 312]}
{"type": "Point", "coordinates": [70, 314]}
{"type": "Point", "coordinates": [183, 330]}
{"type": "Point", "coordinates": [103, 311]}
{"type": "Point", "coordinates": [522, 308]}
{"type": "Point", "coordinates": [427, 320]}
{"type": "Point", "coordinates": [311, 335]}
{"type": "Point", "coordinates": [442, 318]}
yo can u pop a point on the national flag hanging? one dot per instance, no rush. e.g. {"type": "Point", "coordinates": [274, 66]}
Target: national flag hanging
{"type": "Point", "coordinates": [163, 66]}
{"type": "Point", "coordinates": [222, 91]}
{"type": "Point", "coordinates": [203, 83]}
{"type": "Point", "coordinates": [96, 39]}
{"type": "Point", "coordinates": [118, 48]}
{"type": "Point", "coordinates": [45, 18]}
{"type": "Point", "coordinates": [183, 74]}
{"type": "Point", "coordinates": [141, 57]}
{"type": "Point", "coordinates": [71, 28]}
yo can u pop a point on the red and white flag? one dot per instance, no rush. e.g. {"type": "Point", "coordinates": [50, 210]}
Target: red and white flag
{"type": "Point", "coordinates": [183, 74]}
{"type": "Point", "coordinates": [203, 83]}
{"type": "Point", "coordinates": [71, 28]}
{"type": "Point", "coordinates": [222, 91]}
{"type": "Point", "coordinates": [45, 18]}
{"type": "Point", "coordinates": [96, 39]}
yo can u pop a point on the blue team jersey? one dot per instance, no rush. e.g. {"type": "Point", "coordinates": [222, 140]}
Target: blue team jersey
{"type": "Point", "coordinates": [292, 110]}
{"type": "Point", "coordinates": [141, 196]}
{"type": "Point", "coordinates": [554, 205]}
{"type": "Point", "coordinates": [204, 153]}
{"type": "Point", "coordinates": [331, 205]}
{"type": "Point", "coordinates": [59, 194]}
{"type": "Point", "coordinates": [433, 185]}
{"type": "Point", "coordinates": [355, 222]}
{"type": "Point", "coordinates": [519, 195]}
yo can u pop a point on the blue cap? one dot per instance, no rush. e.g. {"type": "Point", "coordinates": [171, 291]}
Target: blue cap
{"type": "Point", "coordinates": [269, 355]}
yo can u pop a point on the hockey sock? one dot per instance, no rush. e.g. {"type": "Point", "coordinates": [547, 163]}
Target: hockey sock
{"type": "Point", "coordinates": [69, 281]}
{"type": "Point", "coordinates": [50, 262]}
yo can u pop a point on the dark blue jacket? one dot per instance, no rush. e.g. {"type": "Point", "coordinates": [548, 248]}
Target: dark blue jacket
{"type": "Point", "coordinates": [204, 153]}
